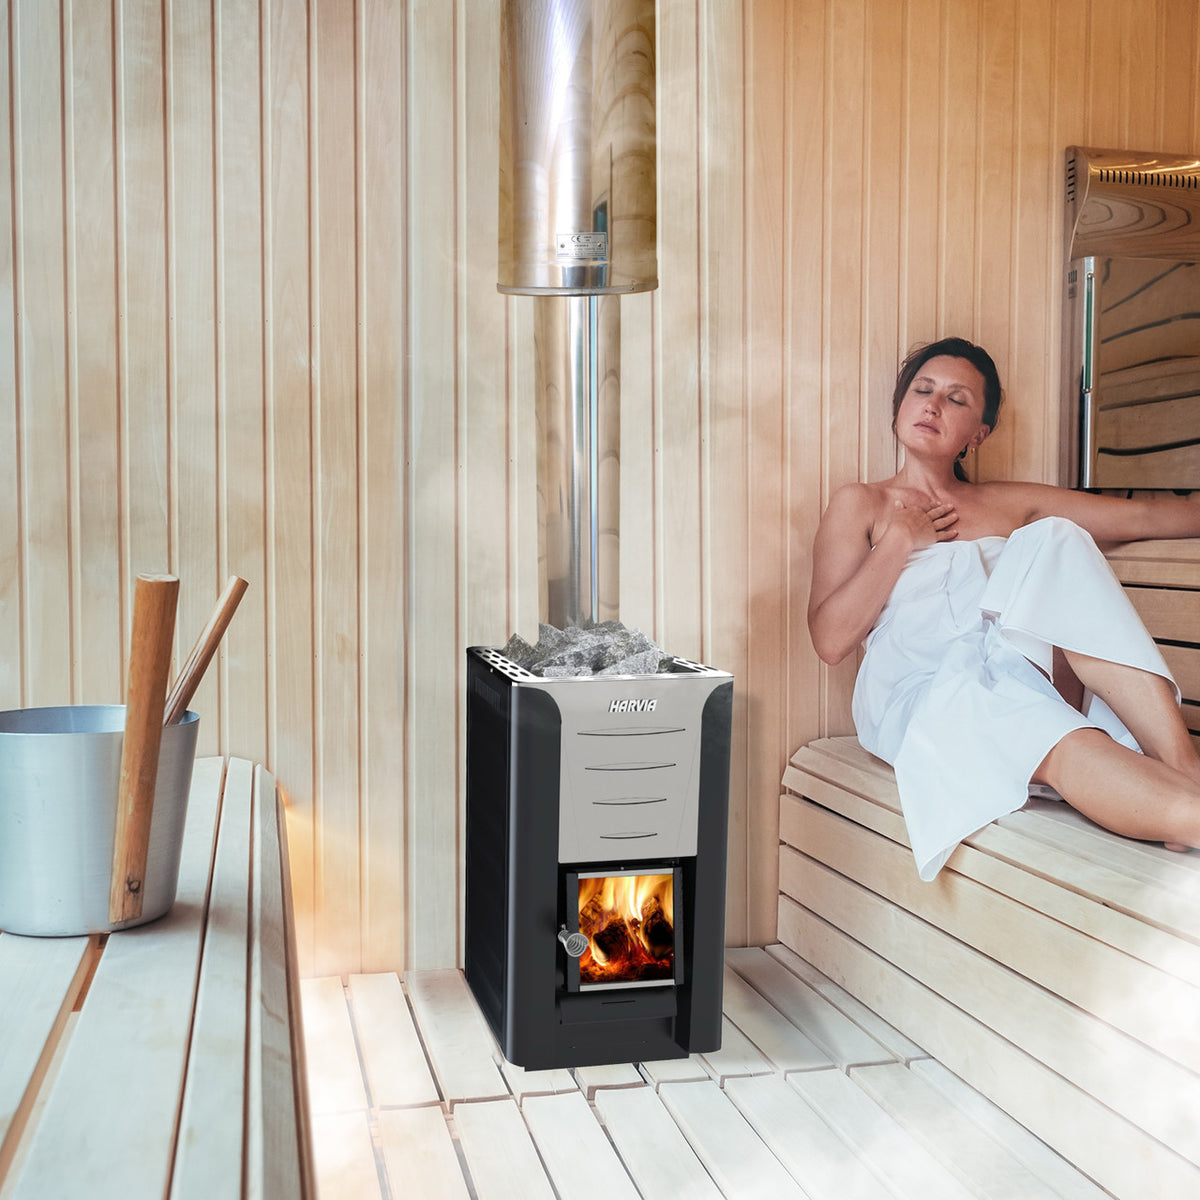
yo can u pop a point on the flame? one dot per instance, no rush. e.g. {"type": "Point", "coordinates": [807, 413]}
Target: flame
{"type": "Point", "coordinates": [629, 921]}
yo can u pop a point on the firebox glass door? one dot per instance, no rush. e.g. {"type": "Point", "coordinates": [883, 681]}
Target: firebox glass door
{"type": "Point", "coordinates": [628, 918]}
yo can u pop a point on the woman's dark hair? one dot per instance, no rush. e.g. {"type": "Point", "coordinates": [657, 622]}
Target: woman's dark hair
{"type": "Point", "coordinates": [952, 347]}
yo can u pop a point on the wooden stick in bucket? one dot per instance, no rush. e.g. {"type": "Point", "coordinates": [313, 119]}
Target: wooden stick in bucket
{"type": "Point", "coordinates": [202, 652]}
{"type": "Point", "coordinates": [154, 601]}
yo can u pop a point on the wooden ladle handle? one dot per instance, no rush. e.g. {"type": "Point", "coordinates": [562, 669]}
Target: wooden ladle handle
{"type": "Point", "coordinates": [204, 649]}
{"type": "Point", "coordinates": [154, 601]}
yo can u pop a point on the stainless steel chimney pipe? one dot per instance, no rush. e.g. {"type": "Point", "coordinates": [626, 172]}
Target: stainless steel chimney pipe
{"type": "Point", "coordinates": [577, 228]}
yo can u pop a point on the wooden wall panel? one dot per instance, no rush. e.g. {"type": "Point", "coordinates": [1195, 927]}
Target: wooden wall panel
{"type": "Point", "coordinates": [248, 323]}
{"type": "Point", "coordinates": [728, 531]}
{"type": "Point", "coordinates": [382, 41]}
{"type": "Point", "coordinates": [288, 584]}
{"type": "Point", "coordinates": [12, 656]}
{"type": "Point", "coordinates": [432, 635]}
{"type": "Point", "coordinates": [194, 359]}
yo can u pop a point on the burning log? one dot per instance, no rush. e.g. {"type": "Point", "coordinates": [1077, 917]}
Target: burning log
{"type": "Point", "coordinates": [658, 932]}
{"type": "Point", "coordinates": [616, 943]}
{"type": "Point", "coordinates": [592, 914]}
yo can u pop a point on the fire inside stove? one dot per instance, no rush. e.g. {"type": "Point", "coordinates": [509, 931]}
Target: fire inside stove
{"type": "Point", "coordinates": [629, 922]}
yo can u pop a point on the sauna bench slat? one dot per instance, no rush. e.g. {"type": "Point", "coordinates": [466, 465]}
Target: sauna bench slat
{"type": "Point", "coordinates": [1053, 966]}
{"type": "Point", "coordinates": [165, 1060]}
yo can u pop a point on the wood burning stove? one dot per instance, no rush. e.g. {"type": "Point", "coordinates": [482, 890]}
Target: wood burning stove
{"type": "Point", "coordinates": [596, 804]}
{"type": "Point", "coordinates": [595, 860]}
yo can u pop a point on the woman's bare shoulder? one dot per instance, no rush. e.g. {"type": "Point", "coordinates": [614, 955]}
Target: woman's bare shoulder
{"type": "Point", "coordinates": [1014, 499]}
{"type": "Point", "coordinates": [857, 500]}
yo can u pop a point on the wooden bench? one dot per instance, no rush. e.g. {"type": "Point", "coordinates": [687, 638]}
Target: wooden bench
{"type": "Point", "coordinates": [166, 1060]}
{"type": "Point", "coordinates": [1051, 965]}
{"type": "Point", "coordinates": [1163, 581]}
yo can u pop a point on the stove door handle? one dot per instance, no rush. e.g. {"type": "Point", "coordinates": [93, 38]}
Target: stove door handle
{"type": "Point", "coordinates": [573, 943]}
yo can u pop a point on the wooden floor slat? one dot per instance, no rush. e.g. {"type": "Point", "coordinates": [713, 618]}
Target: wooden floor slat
{"type": "Point", "coordinates": [724, 1141]}
{"type": "Point", "coordinates": [826, 1166]}
{"type": "Point", "coordinates": [393, 1057]}
{"type": "Point", "coordinates": [456, 1036]}
{"type": "Point", "coordinates": [651, 1145]}
{"type": "Point", "coordinates": [731, 1124]}
{"type": "Point", "coordinates": [1059, 1178]}
{"type": "Point", "coordinates": [500, 1154]}
{"type": "Point", "coordinates": [910, 1170]}
{"type": "Point", "coordinates": [737, 1055]}
{"type": "Point", "coordinates": [948, 1134]}
{"type": "Point", "coordinates": [330, 1048]}
{"type": "Point", "coordinates": [579, 1157]}
{"type": "Point", "coordinates": [770, 1031]}
{"type": "Point", "coordinates": [419, 1154]}
{"type": "Point", "coordinates": [590, 1079]}
{"type": "Point", "coordinates": [844, 1041]}
{"type": "Point", "coordinates": [345, 1157]}
{"type": "Point", "coordinates": [674, 1070]}
{"type": "Point", "coordinates": [524, 1083]}
{"type": "Point", "coordinates": [901, 1047]}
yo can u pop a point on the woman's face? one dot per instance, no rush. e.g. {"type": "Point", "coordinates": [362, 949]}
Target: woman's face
{"type": "Point", "coordinates": [942, 411]}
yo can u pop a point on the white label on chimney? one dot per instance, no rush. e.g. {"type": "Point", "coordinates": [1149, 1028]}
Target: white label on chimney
{"type": "Point", "coordinates": [583, 245]}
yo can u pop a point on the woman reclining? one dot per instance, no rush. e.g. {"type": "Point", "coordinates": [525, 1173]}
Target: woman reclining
{"type": "Point", "coordinates": [1000, 649]}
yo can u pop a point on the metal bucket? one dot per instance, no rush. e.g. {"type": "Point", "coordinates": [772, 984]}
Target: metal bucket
{"type": "Point", "coordinates": [60, 770]}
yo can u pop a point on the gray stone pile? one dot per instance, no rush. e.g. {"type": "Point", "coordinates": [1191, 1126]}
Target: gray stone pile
{"type": "Point", "coordinates": [606, 648]}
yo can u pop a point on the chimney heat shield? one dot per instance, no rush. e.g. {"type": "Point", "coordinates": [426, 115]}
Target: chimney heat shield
{"type": "Point", "coordinates": [1132, 204]}
{"type": "Point", "coordinates": [1131, 352]}
{"type": "Point", "coordinates": [577, 147]}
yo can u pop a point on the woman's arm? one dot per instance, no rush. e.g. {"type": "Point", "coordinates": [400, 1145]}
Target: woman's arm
{"type": "Point", "coordinates": [1114, 519]}
{"type": "Point", "coordinates": [851, 580]}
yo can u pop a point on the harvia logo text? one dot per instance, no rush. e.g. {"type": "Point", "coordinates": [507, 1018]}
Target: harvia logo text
{"type": "Point", "coordinates": [628, 706]}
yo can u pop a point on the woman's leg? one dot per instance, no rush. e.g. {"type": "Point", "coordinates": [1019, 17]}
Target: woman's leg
{"type": "Point", "coordinates": [1127, 792]}
{"type": "Point", "coordinates": [1145, 704]}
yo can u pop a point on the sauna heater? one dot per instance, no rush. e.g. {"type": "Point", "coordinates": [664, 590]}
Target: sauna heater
{"type": "Point", "coordinates": [595, 860]}
{"type": "Point", "coordinates": [596, 805]}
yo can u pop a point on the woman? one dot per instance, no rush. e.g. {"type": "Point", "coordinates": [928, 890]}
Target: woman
{"type": "Point", "coordinates": [991, 620]}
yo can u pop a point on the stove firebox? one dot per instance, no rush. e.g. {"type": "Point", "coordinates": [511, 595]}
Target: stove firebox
{"type": "Point", "coordinates": [595, 860]}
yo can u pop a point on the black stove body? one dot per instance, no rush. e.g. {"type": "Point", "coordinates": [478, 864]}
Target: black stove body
{"type": "Point", "coordinates": [580, 789]}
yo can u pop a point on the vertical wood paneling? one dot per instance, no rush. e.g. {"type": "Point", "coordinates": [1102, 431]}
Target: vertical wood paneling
{"type": "Point", "coordinates": [1032, 374]}
{"type": "Point", "coordinates": [998, 188]}
{"type": "Point", "coordinates": [381, 370]}
{"type": "Point", "coordinates": [640, 468]}
{"type": "Point", "coordinates": [92, 323]}
{"type": "Point", "coordinates": [1178, 57]}
{"type": "Point", "coordinates": [336, 480]}
{"type": "Point", "coordinates": [39, 267]}
{"type": "Point", "coordinates": [679, 480]}
{"type": "Point", "coordinates": [788, 388]}
{"type": "Point", "coordinates": [194, 353]}
{"type": "Point", "coordinates": [142, 290]}
{"type": "Point", "coordinates": [958, 297]}
{"type": "Point", "coordinates": [726, 516]}
{"type": "Point", "coordinates": [12, 653]}
{"type": "Point", "coordinates": [845, 423]}
{"type": "Point", "coordinates": [248, 323]}
{"type": "Point", "coordinates": [241, 445]}
{"type": "Point", "coordinates": [432, 635]}
{"type": "Point", "coordinates": [764, 393]}
{"type": "Point", "coordinates": [919, 218]}
{"type": "Point", "coordinates": [288, 586]}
